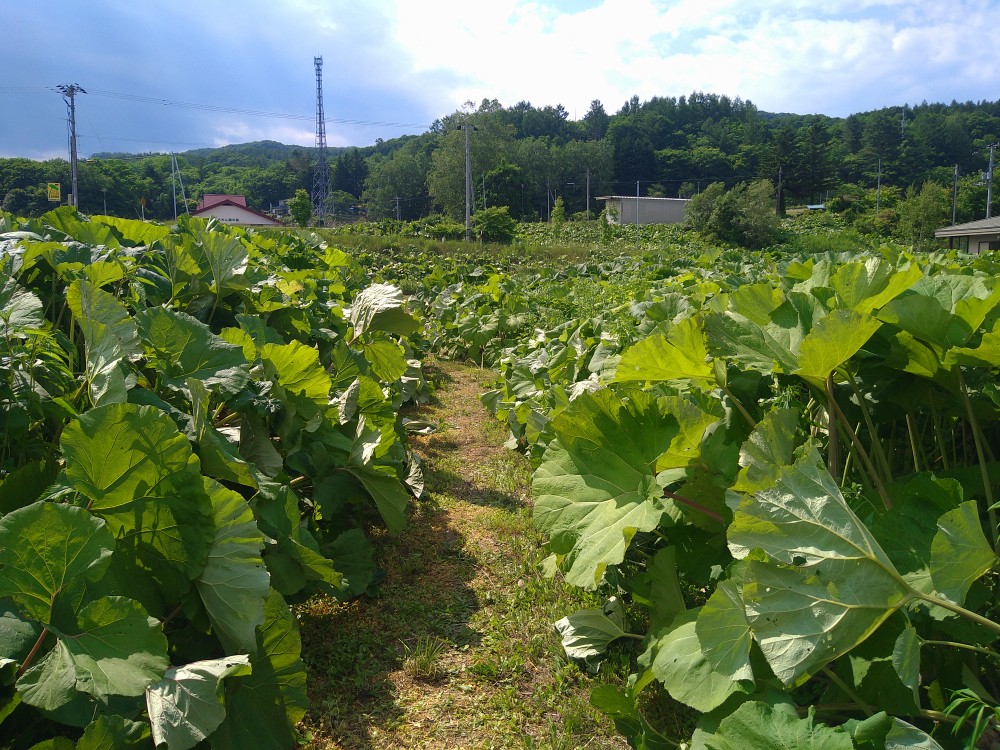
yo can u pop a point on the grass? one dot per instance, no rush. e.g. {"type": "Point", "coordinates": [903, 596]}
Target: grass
{"type": "Point", "coordinates": [456, 649]}
{"type": "Point", "coordinates": [423, 659]}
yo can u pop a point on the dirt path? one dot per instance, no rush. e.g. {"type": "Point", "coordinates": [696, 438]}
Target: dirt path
{"type": "Point", "coordinates": [456, 649]}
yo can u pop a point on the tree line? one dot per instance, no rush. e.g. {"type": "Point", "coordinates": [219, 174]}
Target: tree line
{"type": "Point", "coordinates": [525, 157]}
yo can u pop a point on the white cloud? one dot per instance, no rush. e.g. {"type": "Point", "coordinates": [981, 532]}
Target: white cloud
{"type": "Point", "coordinates": [794, 55]}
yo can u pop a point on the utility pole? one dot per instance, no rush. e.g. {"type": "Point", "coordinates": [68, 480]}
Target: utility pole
{"type": "Point", "coordinates": [637, 214]}
{"type": "Point", "coordinates": [878, 188]}
{"type": "Point", "coordinates": [989, 183]}
{"type": "Point", "coordinates": [468, 181]}
{"type": "Point", "coordinates": [777, 195]}
{"type": "Point", "coordinates": [954, 197]}
{"type": "Point", "coordinates": [69, 92]}
{"type": "Point", "coordinates": [398, 216]}
{"type": "Point", "coordinates": [588, 193]}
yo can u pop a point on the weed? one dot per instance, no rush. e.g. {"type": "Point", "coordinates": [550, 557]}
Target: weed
{"type": "Point", "coordinates": [423, 659]}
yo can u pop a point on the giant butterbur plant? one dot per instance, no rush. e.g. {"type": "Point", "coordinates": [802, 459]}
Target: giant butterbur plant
{"type": "Point", "coordinates": [196, 431]}
{"type": "Point", "coordinates": [793, 482]}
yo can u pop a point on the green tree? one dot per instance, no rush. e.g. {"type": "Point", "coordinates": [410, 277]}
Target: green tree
{"type": "Point", "coordinates": [489, 143]}
{"type": "Point", "coordinates": [349, 172]}
{"type": "Point", "coordinates": [494, 224]}
{"type": "Point", "coordinates": [921, 213]}
{"type": "Point", "coordinates": [596, 121]}
{"type": "Point", "coordinates": [742, 216]}
{"type": "Point", "coordinates": [558, 217]}
{"type": "Point", "coordinates": [300, 207]}
{"type": "Point", "coordinates": [699, 210]}
{"type": "Point", "coordinates": [402, 175]}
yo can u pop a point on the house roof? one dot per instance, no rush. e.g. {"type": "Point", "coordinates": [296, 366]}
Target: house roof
{"type": "Point", "coordinates": [982, 226]}
{"type": "Point", "coordinates": [269, 219]}
{"type": "Point", "coordinates": [213, 199]}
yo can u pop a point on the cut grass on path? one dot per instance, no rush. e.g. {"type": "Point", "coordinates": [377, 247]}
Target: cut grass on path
{"type": "Point", "coordinates": [456, 649]}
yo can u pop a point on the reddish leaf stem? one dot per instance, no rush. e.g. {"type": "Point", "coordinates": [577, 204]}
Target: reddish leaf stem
{"type": "Point", "coordinates": [31, 654]}
{"type": "Point", "coordinates": [695, 506]}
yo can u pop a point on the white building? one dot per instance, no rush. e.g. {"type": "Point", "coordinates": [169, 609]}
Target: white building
{"type": "Point", "coordinates": [232, 209]}
{"type": "Point", "coordinates": [974, 236]}
{"type": "Point", "coordinates": [623, 209]}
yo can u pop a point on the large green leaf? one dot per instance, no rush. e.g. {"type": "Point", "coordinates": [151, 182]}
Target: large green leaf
{"type": "Point", "coordinates": [110, 334]}
{"type": "Point", "coordinates": [381, 307]}
{"type": "Point", "coordinates": [620, 707]}
{"type": "Point", "coordinates": [659, 588]}
{"type": "Point", "coordinates": [390, 495]}
{"type": "Point", "coordinates": [586, 634]}
{"type": "Point", "coordinates": [770, 446]}
{"type": "Point", "coordinates": [823, 585]}
{"type": "Point", "coordinates": [832, 341]}
{"type": "Point", "coordinates": [182, 347]}
{"type": "Point", "coordinates": [115, 649]}
{"type": "Point", "coordinates": [386, 358]}
{"type": "Point", "coordinates": [220, 458]}
{"type": "Point", "coordinates": [596, 487]}
{"type": "Point", "coordinates": [766, 347]}
{"type": "Point", "coordinates": [224, 257]}
{"type": "Point", "coordinates": [680, 663]}
{"type": "Point", "coordinates": [48, 553]}
{"type": "Point", "coordinates": [111, 732]}
{"type": "Point", "coordinates": [188, 704]}
{"type": "Point", "coordinates": [234, 584]}
{"type": "Point", "coordinates": [293, 555]}
{"type": "Point", "coordinates": [867, 285]}
{"type": "Point", "coordinates": [960, 554]}
{"type": "Point", "coordinates": [134, 231]}
{"type": "Point", "coordinates": [17, 635]}
{"type": "Point", "coordinates": [943, 310]}
{"type": "Point", "coordinates": [262, 708]}
{"type": "Point", "coordinates": [162, 544]}
{"type": "Point", "coordinates": [758, 726]}
{"type": "Point", "coordinates": [724, 632]}
{"type": "Point", "coordinates": [119, 452]}
{"type": "Point", "coordinates": [301, 379]}
{"type": "Point", "coordinates": [906, 532]}
{"type": "Point", "coordinates": [680, 356]}
{"type": "Point", "coordinates": [19, 308]}
{"type": "Point", "coordinates": [986, 354]}
{"type": "Point", "coordinates": [351, 553]}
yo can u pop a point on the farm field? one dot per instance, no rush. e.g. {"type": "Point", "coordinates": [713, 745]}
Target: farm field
{"type": "Point", "coordinates": [248, 499]}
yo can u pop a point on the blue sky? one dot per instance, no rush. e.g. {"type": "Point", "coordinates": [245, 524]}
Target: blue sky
{"type": "Point", "coordinates": [391, 67]}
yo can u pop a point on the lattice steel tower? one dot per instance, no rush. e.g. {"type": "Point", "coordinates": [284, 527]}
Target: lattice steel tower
{"type": "Point", "coordinates": [321, 175]}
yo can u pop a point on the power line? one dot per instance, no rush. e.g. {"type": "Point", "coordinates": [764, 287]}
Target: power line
{"type": "Point", "coordinates": [243, 111]}
{"type": "Point", "coordinates": [215, 107]}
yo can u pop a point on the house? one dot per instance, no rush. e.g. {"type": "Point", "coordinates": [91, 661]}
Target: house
{"type": "Point", "coordinates": [622, 209]}
{"type": "Point", "coordinates": [974, 236]}
{"type": "Point", "coordinates": [232, 209]}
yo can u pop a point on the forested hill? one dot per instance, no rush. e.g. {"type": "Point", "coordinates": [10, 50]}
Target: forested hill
{"type": "Point", "coordinates": [524, 156]}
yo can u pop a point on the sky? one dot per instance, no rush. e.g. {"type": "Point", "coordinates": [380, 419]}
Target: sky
{"type": "Point", "coordinates": [173, 75]}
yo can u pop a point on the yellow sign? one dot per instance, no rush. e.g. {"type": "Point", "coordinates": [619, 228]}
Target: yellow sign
{"type": "Point", "coordinates": [55, 191]}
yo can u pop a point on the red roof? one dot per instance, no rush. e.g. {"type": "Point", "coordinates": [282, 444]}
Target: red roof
{"type": "Point", "coordinates": [212, 199]}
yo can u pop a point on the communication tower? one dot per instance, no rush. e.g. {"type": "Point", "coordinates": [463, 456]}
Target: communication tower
{"type": "Point", "coordinates": [321, 174]}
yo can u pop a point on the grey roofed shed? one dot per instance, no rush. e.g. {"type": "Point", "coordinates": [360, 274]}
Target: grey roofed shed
{"type": "Point", "coordinates": [974, 236]}
{"type": "Point", "coordinates": [622, 209]}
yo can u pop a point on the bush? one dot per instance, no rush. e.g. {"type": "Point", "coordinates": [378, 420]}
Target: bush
{"type": "Point", "coordinates": [494, 224]}
{"type": "Point", "coordinates": [742, 216]}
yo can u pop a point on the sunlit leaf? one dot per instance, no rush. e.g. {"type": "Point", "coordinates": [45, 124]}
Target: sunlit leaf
{"type": "Point", "coordinates": [234, 583]}
{"type": "Point", "coordinates": [825, 584]}
{"type": "Point", "coordinates": [188, 704]}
